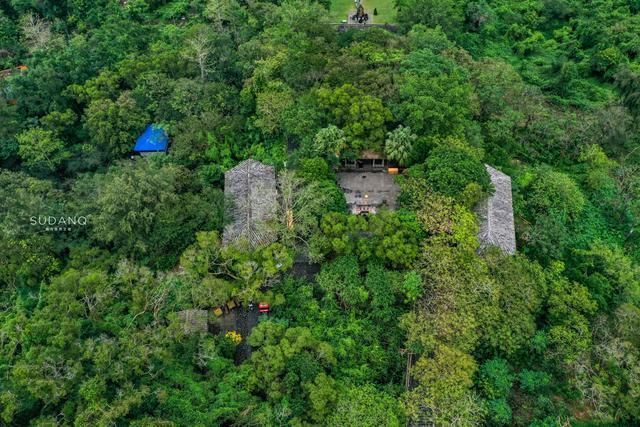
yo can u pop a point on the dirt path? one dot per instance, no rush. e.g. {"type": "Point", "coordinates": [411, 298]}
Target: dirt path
{"type": "Point", "coordinates": [246, 320]}
{"type": "Point", "coordinates": [241, 320]}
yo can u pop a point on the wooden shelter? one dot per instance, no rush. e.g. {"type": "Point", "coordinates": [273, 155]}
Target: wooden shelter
{"type": "Point", "coordinates": [368, 160]}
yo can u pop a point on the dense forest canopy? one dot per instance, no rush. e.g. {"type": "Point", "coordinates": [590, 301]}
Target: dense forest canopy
{"type": "Point", "coordinates": [406, 321]}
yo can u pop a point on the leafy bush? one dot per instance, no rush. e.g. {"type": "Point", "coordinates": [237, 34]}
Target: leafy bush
{"type": "Point", "coordinates": [452, 166]}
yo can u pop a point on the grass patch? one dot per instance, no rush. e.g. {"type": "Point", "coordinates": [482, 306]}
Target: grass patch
{"type": "Point", "coordinates": [386, 10]}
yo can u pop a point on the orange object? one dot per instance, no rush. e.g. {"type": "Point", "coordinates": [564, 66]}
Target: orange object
{"type": "Point", "coordinates": [22, 67]}
{"type": "Point", "coordinates": [392, 171]}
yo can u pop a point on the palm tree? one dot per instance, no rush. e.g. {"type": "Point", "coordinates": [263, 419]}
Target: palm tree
{"type": "Point", "coordinates": [399, 145]}
{"type": "Point", "coordinates": [330, 141]}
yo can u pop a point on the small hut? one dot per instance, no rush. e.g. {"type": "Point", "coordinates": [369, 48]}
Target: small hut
{"type": "Point", "coordinates": [368, 160]}
{"type": "Point", "coordinates": [154, 140]}
{"type": "Point", "coordinates": [496, 215]}
{"type": "Point", "coordinates": [251, 203]}
{"type": "Point", "coordinates": [194, 320]}
{"type": "Point", "coordinates": [11, 71]}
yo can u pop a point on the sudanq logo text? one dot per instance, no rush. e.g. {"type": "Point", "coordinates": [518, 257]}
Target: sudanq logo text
{"type": "Point", "coordinates": [58, 221]}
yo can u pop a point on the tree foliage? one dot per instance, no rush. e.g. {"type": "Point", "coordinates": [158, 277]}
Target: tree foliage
{"type": "Point", "coordinates": [382, 319]}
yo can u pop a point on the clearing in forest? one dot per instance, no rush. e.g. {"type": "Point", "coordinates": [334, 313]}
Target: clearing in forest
{"type": "Point", "coordinates": [340, 9]}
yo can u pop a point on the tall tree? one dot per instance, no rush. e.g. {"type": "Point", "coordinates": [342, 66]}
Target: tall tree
{"type": "Point", "coordinates": [399, 144]}
{"type": "Point", "coordinates": [113, 126]}
{"type": "Point", "coordinates": [41, 149]}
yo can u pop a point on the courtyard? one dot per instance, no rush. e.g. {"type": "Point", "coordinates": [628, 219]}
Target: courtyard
{"type": "Point", "coordinates": [367, 192]}
{"type": "Point", "coordinates": [340, 9]}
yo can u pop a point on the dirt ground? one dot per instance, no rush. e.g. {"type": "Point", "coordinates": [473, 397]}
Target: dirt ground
{"type": "Point", "coordinates": [370, 189]}
{"type": "Point", "coordinates": [241, 320]}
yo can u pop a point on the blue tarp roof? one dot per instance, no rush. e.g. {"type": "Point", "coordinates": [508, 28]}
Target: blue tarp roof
{"type": "Point", "coordinates": [154, 138]}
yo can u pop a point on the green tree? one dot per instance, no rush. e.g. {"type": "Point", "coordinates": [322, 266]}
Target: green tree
{"type": "Point", "coordinates": [452, 166]}
{"type": "Point", "coordinates": [611, 277]}
{"type": "Point", "coordinates": [556, 192]}
{"type": "Point", "coordinates": [447, 14]}
{"type": "Point", "coordinates": [322, 397]}
{"type": "Point", "coordinates": [533, 381]}
{"type": "Point", "coordinates": [341, 280]}
{"type": "Point", "coordinates": [232, 271]}
{"type": "Point", "coordinates": [570, 307]}
{"type": "Point", "coordinates": [520, 291]}
{"type": "Point", "coordinates": [496, 379]}
{"type": "Point", "coordinates": [366, 406]}
{"type": "Point", "coordinates": [436, 98]}
{"type": "Point", "coordinates": [329, 141]}
{"type": "Point", "coordinates": [301, 206]}
{"type": "Point", "coordinates": [144, 209]}
{"type": "Point", "coordinates": [444, 388]}
{"type": "Point", "coordinates": [41, 149]}
{"type": "Point", "coordinates": [392, 238]}
{"type": "Point", "coordinates": [131, 198]}
{"type": "Point", "coordinates": [271, 104]}
{"type": "Point", "coordinates": [362, 117]}
{"type": "Point", "coordinates": [628, 80]}
{"type": "Point", "coordinates": [113, 126]}
{"type": "Point", "coordinates": [399, 144]}
{"type": "Point", "coordinates": [499, 411]}
{"type": "Point", "coordinates": [276, 346]}
{"type": "Point", "coordinates": [223, 13]}
{"type": "Point", "coordinates": [412, 287]}
{"type": "Point", "coordinates": [28, 253]}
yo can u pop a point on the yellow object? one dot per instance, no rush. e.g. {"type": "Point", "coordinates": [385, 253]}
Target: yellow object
{"type": "Point", "coordinates": [234, 336]}
{"type": "Point", "coordinates": [231, 305]}
{"type": "Point", "coordinates": [217, 311]}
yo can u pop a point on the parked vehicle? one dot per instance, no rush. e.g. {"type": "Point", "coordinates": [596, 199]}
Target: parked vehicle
{"type": "Point", "coordinates": [263, 308]}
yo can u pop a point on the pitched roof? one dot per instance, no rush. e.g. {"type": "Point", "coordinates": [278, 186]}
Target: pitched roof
{"type": "Point", "coordinates": [250, 188]}
{"type": "Point", "coordinates": [154, 138]}
{"type": "Point", "coordinates": [371, 155]}
{"type": "Point", "coordinates": [496, 214]}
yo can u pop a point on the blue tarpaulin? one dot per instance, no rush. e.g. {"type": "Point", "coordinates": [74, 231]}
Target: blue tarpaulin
{"type": "Point", "coordinates": [153, 139]}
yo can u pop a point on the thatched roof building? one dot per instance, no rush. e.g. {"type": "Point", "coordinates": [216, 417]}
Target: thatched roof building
{"type": "Point", "coordinates": [251, 203]}
{"type": "Point", "coordinates": [496, 215]}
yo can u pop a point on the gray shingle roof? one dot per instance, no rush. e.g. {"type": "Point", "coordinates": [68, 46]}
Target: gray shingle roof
{"type": "Point", "coordinates": [496, 215]}
{"type": "Point", "coordinates": [250, 189]}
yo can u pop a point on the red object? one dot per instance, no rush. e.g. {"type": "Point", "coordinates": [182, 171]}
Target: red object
{"type": "Point", "coordinates": [263, 307]}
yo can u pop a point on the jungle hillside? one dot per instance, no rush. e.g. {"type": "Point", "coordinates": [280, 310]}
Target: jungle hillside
{"type": "Point", "coordinates": [123, 301]}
